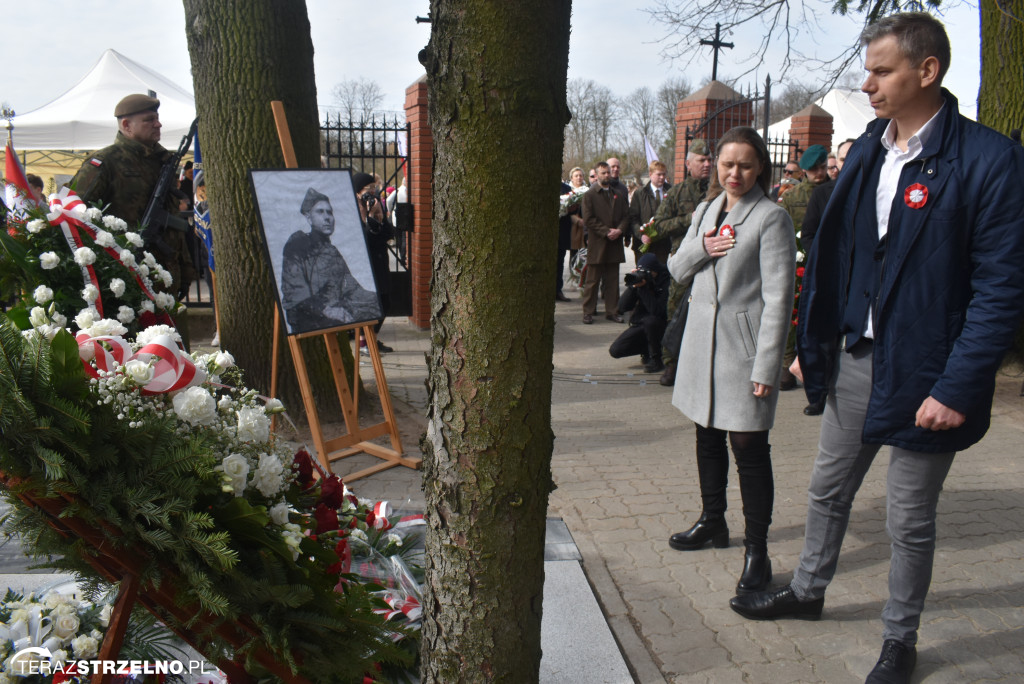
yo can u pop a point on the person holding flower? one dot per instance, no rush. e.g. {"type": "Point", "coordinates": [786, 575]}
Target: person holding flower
{"type": "Point", "coordinates": [738, 255]}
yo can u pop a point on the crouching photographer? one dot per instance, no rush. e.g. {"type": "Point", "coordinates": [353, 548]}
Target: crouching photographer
{"type": "Point", "coordinates": [646, 297]}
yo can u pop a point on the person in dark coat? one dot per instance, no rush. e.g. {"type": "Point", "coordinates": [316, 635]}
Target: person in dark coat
{"type": "Point", "coordinates": [645, 299]}
{"type": "Point", "coordinates": [912, 295]}
{"type": "Point", "coordinates": [378, 232]}
{"type": "Point", "coordinates": [644, 205]}
{"type": "Point", "coordinates": [606, 215]}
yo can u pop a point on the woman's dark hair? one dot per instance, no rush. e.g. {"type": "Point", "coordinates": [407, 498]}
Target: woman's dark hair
{"type": "Point", "coordinates": [747, 136]}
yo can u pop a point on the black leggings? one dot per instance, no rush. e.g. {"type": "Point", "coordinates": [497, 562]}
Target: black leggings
{"type": "Point", "coordinates": [754, 464]}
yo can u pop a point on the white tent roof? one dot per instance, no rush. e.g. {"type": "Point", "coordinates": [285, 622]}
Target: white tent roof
{"type": "Point", "coordinates": [83, 117]}
{"type": "Point", "coordinates": [851, 113]}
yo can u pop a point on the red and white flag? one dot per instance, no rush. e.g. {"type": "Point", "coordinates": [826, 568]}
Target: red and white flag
{"type": "Point", "coordinates": [17, 191]}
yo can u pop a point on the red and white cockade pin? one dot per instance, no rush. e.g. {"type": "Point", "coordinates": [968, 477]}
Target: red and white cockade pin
{"type": "Point", "coordinates": [727, 231]}
{"type": "Point", "coordinates": [915, 196]}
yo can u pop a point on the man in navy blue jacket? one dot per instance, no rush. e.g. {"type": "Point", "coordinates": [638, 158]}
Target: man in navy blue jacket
{"type": "Point", "coordinates": [913, 293]}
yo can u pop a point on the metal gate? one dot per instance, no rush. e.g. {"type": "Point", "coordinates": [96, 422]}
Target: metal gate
{"type": "Point", "coordinates": [379, 146]}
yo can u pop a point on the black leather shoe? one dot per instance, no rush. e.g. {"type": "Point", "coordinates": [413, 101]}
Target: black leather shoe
{"type": "Point", "coordinates": [668, 378]}
{"type": "Point", "coordinates": [559, 297]}
{"type": "Point", "coordinates": [654, 366]}
{"type": "Point", "coordinates": [757, 570]}
{"type": "Point", "coordinates": [588, 318]}
{"type": "Point", "coordinates": [709, 528]}
{"type": "Point", "coordinates": [614, 318]}
{"type": "Point", "coordinates": [895, 665]}
{"type": "Point", "coordinates": [780, 603]}
{"type": "Point", "coordinates": [815, 409]}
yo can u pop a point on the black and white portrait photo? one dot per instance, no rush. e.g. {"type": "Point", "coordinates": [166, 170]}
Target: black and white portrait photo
{"type": "Point", "coordinates": [316, 247]}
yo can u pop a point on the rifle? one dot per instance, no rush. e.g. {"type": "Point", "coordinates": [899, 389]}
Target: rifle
{"type": "Point", "coordinates": [156, 218]}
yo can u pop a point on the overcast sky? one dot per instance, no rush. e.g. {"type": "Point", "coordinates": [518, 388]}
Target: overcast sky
{"type": "Point", "coordinates": [50, 44]}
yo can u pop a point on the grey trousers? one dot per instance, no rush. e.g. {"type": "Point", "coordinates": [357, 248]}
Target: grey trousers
{"type": "Point", "coordinates": [913, 484]}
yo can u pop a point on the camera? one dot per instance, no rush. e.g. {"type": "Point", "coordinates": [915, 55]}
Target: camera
{"type": "Point", "coordinates": [634, 278]}
{"type": "Point", "coordinates": [369, 199]}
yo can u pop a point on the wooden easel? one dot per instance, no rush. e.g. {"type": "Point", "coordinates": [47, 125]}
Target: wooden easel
{"type": "Point", "coordinates": [357, 438]}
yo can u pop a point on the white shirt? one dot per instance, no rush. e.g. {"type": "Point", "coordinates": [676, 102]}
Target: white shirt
{"type": "Point", "coordinates": [889, 177]}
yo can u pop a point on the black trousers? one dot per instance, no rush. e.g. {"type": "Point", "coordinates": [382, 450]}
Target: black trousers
{"type": "Point", "coordinates": [643, 339]}
{"type": "Point", "coordinates": [754, 464]}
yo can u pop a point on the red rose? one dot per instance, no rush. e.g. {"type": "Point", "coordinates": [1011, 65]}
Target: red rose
{"type": "Point", "coordinates": [326, 518]}
{"type": "Point", "coordinates": [370, 519]}
{"type": "Point", "coordinates": [800, 272]}
{"type": "Point", "coordinates": [332, 492]}
{"type": "Point", "coordinates": [302, 464]}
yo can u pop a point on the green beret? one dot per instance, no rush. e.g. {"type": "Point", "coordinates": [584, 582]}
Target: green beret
{"type": "Point", "coordinates": [815, 155]}
{"type": "Point", "coordinates": [312, 197]}
{"type": "Point", "coordinates": [699, 148]}
{"type": "Point", "coordinates": [133, 104]}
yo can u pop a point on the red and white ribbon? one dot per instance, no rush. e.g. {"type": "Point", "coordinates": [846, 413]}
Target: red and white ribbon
{"type": "Point", "coordinates": [173, 370]}
{"type": "Point", "coordinates": [400, 605]}
{"type": "Point", "coordinates": [381, 512]}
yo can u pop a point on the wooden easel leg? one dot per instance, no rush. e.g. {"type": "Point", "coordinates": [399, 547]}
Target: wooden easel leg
{"type": "Point", "coordinates": [118, 625]}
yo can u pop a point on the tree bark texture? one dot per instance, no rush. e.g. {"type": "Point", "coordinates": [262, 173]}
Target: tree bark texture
{"type": "Point", "coordinates": [245, 54]}
{"type": "Point", "coordinates": [1001, 96]}
{"type": "Point", "coordinates": [497, 88]}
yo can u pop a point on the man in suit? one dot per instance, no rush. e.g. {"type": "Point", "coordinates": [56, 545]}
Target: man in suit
{"type": "Point", "coordinates": [912, 294]}
{"type": "Point", "coordinates": [606, 215]}
{"type": "Point", "coordinates": [644, 205]}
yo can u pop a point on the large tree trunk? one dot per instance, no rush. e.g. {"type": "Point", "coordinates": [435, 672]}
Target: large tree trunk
{"type": "Point", "coordinates": [244, 55]}
{"type": "Point", "coordinates": [496, 76]}
{"type": "Point", "coordinates": [1001, 96]}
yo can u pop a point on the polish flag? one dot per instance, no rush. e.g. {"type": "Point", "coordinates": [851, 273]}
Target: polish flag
{"type": "Point", "coordinates": [17, 191]}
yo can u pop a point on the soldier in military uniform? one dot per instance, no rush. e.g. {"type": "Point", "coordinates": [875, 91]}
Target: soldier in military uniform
{"type": "Point", "coordinates": [122, 177]}
{"type": "Point", "coordinates": [671, 223]}
{"type": "Point", "coordinates": [813, 162]}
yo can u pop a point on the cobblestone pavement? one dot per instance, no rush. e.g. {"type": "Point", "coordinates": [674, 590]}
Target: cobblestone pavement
{"type": "Point", "coordinates": [626, 476]}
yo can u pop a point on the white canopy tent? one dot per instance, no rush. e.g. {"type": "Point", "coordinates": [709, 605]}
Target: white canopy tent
{"type": "Point", "coordinates": [851, 113]}
{"type": "Point", "coordinates": [83, 117]}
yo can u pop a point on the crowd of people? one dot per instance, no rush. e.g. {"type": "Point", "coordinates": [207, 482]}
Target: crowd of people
{"type": "Point", "coordinates": [900, 250]}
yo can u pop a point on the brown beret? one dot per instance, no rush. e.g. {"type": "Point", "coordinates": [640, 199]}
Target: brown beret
{"type": "Point", "coordinates": [311, 199]}
{"type": "Point", "coordinates": [133, 104]}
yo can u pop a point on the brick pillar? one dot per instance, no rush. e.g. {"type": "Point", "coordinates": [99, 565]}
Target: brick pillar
{"type": "Point", "coordinates": [812, 125]}
{"type": "Point", "coordinates": [697, 108]}
{"type": "Point", "coordinates": [420, 178]}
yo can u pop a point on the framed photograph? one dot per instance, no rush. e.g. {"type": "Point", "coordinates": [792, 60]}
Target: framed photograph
{"type": "Point", "coordinates": [314, 242]}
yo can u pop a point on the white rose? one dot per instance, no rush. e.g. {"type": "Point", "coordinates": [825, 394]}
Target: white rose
{"type": "Point", "coordinates": [90, 293]}
{"type": "Point", "coordinates": [85, 256]}
{"type": "Point", "coordinates": [127, 258]}
{"type": "Point", "coordinates": [49, 260]}
{"type": "Point", "coordinates": [37, 317]}
{"type": "Point", "coordinates": [106, 611]}
{"type": "Point", "coordinates": [253, 425]}
{"type": "Point", "coordinates": [139, 371]}
{"type": "Point", "coordinates": [85, 647]}
{"type": "Point", "coordinates": [269, 477]}
{"type": "Point", "coordinates": [279, 513]}
{"type": "Point", "coordinates": [134, 238]}
{"type": "Point", "coordinates": [117, 286]}
{"type": "Point", "coordinates": [125, 314]}
{"type": "Point", "coordinates": [65, 625]}
{"type": "Point", "coordinates": [42, 294]}
{"type": "Point", "coordinates": [236, 467]}
{"type": "Point", "coordinates": [223, 359]}
{"type": "Point", "coordinates": [105, 239]}
{"type": "Point", "coordinates": [85, 318]}
{"type": "Point", "coordinates": [195, 406]}
{"type": "Point", "coordinates": [274, 406]}
{"type": "Point", "coordinates": [60, 320]}
{"type": "Point", "coordinates": [35, 226]}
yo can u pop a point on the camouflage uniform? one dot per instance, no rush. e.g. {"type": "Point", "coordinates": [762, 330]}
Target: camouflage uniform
{"type": "Point", "coordinates": [671, 223]}
{"type": "Point", "coordinates": [121, 178]}
{"type": "Point", "coordinates": [795, 203]}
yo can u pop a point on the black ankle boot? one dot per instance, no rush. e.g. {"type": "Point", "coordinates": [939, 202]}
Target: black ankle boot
{"type": "Point", "coordinates": [710, 528]}
{"type": "Point", "coordinates": [757, 570]}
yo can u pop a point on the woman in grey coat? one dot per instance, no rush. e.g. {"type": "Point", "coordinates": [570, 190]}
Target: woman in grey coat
{"type": "Point", "coordinates": [739, 255]}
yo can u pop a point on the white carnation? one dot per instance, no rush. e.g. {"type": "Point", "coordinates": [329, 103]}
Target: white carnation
{"type": "Point", "coordinates": [115, 224]}
{"type": "Point", "coordinates": [127, 258]}
{"type": "Point", "coordinates": [125, 314]}
{"type": "Point", "coordinates": [225, 403]}
{"type": "Point", "coordinates": [60, 320]}
{"type": "Point", "coordinates": [105, 239]}
{"type": "Point", "coordinates": [269, 476]}
{"type": "Point", "coordinates": [85, 318]}
{"type": "Point", "coordinates": [154, 331]}
{"type": "Point", "coordinates": [85, 256]}
{"type": "Point", "coordinates": [105, 327]}
{"type": "Point", "coordinates": [274, 406]}
{"type": "Point", "coordinates": [42, 294]}
{"type": "Point", "coordinates": [149, 259]}
{"type": "Point", "coordinates": [117, 286]}
{"type": "Point", "coordinates": [143, 269]}
{"type": "Point", "coordinates": [85, 647]}
{"type": "Point", "coordinates": [195, 406]}
{"type": "Point", "coordinates": [253, 425]}
{"type": "Point", "coordinates": [165, 276]}
{"type": "Point", "coordinates": [90, 293]}
{"type": "Point", "coordinates": [164, 300]}
{"type": "Point", "coordinates": [49, 260]}
{"type": "Point", "coordinates": [93, 214]}
{"type": "Point", "coordinates": [799, 257]}
{"type": "Point", "coordinates": [146, 305]}
{"type": "Point", "coordinates": [279, 513]}
{"type": "Point", "coordinates": [134, 238]}
{"type": "Point", "coordinates": [35, 225]}
{"type": "Point", "coordinates": [236, 467]}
